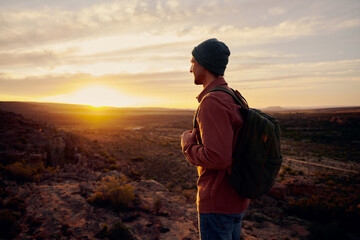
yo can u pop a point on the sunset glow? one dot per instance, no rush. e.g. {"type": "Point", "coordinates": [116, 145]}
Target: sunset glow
{"type": "Point", "coordinates": [99, 96]}
{"type": "Point", "coordinates": [283, 53]}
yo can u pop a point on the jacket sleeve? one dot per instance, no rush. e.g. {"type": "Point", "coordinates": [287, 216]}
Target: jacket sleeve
{"type": "Point", "coordinates": [216, 133]}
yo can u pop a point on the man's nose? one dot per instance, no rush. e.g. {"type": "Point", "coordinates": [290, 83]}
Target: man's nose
{"type": "Point", "coordinates": [191, 68]}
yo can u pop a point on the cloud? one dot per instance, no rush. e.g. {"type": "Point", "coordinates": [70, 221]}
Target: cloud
{"type": "Point", "coordinates": [147, 49]}
{"type": "Point", "coordinates": [47, 58]}
{"type": "Point", "coordinates": [289, 30]}
{"type": "Point", "coordinates": [171, 89]}
{"type": "Point", "coordinates": [253, 75]}
{"type": "Point", "coordinates": [22, 28]}
{"type": "Point", "coordinates": [156, 57]}
{"type": "Point", "coordinates": [50, 84]}
{"type": "Point", "coordinates": [277, 11]}
{"type": "Point", "coordinates": [30, 27]}
{"type": "Point", "coordinates": [258, 76]}
{"type": "Point", "coordinates": [261, 55]}
{"type": "Point", "coordinates": [54, 47]}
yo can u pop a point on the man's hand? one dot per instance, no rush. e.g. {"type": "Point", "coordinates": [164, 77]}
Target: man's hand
{"type": "Point", "coordinates": [188, 136]}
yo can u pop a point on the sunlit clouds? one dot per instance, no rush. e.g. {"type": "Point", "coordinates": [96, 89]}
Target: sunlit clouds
{"type": "Point", "coordinates": [303, 52]}
{"type": "Point", "coordinates": [99, 96]}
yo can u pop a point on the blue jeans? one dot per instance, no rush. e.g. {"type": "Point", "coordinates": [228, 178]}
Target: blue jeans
{"type": "Point", "coordinates": [220, 226]}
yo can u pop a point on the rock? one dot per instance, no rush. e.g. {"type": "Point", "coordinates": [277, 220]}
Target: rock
{"type": "Point", "coordinates": [300, 230]}
{"type": "Point", "coordinates": [260, 225]}
{"type": "Point", "coordinates": [300, 186]}
{"type": "Point", "coordinates": [86, 189]}
{"type": "Point", "coordinates": [153, 185]}
{"type": "Point", "coordinates": [96, 164]}
{"type": "Point", "coordinates": [278, 191]}
{"type": "Point", "coordinates": [259, 217]}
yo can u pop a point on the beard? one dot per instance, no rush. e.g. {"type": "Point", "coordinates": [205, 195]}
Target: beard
{"type": "Point", "coordinates": [198, 79]}
{"type": "Point", "coordinates": [197, 82]}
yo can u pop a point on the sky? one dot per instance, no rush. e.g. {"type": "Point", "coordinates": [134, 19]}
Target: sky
{"type": "Point", "coordinates": [132, 53]}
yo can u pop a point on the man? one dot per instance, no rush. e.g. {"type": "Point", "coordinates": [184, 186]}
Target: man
{"type": "Point", "coordinates": [210, 145]}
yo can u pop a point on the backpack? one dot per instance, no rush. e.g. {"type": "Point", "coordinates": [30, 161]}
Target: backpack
{"type": "Point", "coordinates": [257, 157]}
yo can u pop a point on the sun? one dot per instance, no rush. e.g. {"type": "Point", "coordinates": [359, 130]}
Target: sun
{"type": "Point", "coordinates": [100, 96]}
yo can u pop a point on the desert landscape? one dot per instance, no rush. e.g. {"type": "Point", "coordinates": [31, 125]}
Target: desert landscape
{"type": "Point", "coordinates": [79, 172]}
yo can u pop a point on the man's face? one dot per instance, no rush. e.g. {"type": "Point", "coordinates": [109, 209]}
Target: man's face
{"type": "Point", "coordinates": [198, 71]}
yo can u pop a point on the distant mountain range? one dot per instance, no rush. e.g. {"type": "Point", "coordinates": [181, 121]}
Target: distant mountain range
{"type": "Point", "coordinates": [312, 109]}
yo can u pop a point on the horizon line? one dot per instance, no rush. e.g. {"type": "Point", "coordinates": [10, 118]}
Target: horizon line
{"type": "Point", "coordinates": [275, 108]}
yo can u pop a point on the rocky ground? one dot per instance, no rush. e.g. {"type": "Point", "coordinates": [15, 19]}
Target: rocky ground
{"type": "Point", "coordinates": [58, 210]}
{"type": "Point", "coordinates": [45, 189]}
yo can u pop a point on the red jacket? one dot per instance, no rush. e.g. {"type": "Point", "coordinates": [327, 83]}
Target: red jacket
{"type": "Point", "coordinates": [219, 122]}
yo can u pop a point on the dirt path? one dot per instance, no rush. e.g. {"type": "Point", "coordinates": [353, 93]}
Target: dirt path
{"type": "Point", "coordinates": [326, 166]}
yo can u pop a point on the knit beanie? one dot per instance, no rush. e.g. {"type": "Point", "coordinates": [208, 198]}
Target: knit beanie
{"type": "Point", "coordinates": [212, 55]}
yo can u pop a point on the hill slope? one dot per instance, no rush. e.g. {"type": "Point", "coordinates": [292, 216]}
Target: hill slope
{"type": "Point", "coordinates": [51, 181]}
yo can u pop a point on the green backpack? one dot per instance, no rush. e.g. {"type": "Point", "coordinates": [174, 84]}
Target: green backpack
{"type": "Point", "coordinates": [257, 157]}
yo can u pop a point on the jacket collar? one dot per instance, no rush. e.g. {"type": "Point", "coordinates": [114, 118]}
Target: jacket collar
{"type": "Point", "coordinates": [220, 81]}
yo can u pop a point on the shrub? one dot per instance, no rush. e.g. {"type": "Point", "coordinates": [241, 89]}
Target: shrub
{"type": "Point", "coordinates": [104, 154]}
{"type": "Point", "coordinates": [103, 232]}
{"type": "Point", "coordinates": [135, 175]}
{"type": "Point", "coordinates": [111, 160]}
{"type": "Point", "coordinates": [113, 167]}
{"type": "Point", "coordinates": [19, 171]}
{"type": "Point", "coordinates": [117, 231]}
{"type": "Point", "coordinates": [25, 172]}
{"type": "Point", "coordinates": [97, 199]}
{"type": "Point", "coordinates": [121, 196]}
{"type": "Point", "coordinates": [113, 191]}
{"type": "Point", "coordinates": [51, 170]}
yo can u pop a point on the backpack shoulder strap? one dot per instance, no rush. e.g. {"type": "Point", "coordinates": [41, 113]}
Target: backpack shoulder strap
{"type": "Point", "coordinates": [240, 101]}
